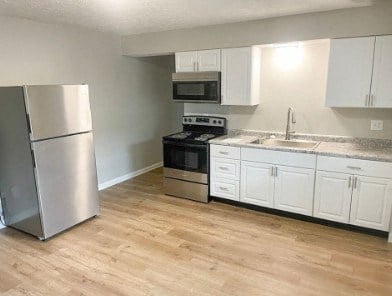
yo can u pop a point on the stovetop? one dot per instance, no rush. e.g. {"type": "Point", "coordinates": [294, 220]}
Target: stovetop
{"type": "Point", "coordinates": [199, 129]}
{"type": "Point", "coordinates": [191, 137]}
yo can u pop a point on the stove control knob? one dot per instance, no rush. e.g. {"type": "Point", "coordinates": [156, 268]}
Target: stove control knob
{"type": "Point", "coordinates": [219, 121]}
{"type": "Point", "coordinates": [214, 122]}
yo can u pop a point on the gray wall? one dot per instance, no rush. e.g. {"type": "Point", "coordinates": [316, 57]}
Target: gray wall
{"type": "Point", "coordinates": [130, 98]}
{"type": "Point", "coordinates": [371, 20]}
{"type": "Point", "coordinates": [302, 86]}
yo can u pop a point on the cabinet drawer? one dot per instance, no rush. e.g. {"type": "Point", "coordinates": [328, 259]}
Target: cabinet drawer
{"type": "Point", "coordinates": [225, 188]}
{"type": "Point", "coordinates": [355, 166]}
{"type": "Point", "coordinates": [294, 159]}
{"type": "Point", "coordinates": [225, 151]}
{"type": "Point", "coordinates": [225, 168]}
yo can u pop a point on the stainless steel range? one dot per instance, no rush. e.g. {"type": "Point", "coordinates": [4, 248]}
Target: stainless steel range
{"type": "Point", "coordinates": [186, 157]}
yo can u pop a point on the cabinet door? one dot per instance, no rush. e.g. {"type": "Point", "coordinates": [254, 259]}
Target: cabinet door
{"type": "Point", "coordinates": [381, 93]}
{"type": "Point", "coordinates": [332, 197]}
{"type": "Point", "coordinates": [372, 203]}
{"type": "Point", "coordinates": [186, 61]}
{"type": "Point", "coordinates": [236, 76]}
{"type": "Point", "coordinates": [350, 72]}
{"type": "Point", "coordinates": [294, 190]}
{"type": "Point", "coordinates": [209, 60]}
{"type": "Point", "coordinates": [225, 168]}
{"type": "Point", "coordinates": [257, 184]}
{"type": "Point", "coordinates": [224, 188]}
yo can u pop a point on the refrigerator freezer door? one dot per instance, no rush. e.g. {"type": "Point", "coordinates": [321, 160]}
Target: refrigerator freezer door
{"type": "Point", "coordinates": [57, 110]}
{"type": "Point", "coordinates": [67, 181]}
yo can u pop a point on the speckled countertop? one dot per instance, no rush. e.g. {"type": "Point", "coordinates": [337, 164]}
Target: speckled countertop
{"type": "Point", "coordinates": [360, 148]}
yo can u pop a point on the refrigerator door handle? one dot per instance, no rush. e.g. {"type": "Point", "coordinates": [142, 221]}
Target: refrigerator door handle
{"type": "Point", "coordinates": [33, 158]}
{"type": "Point", "coordinates": [28, 122]}
{"type": "Point", "coordinates": [2, 207]}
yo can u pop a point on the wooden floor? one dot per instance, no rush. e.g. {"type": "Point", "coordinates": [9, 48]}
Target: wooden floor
{"type": "Point", "coordinates": [146, 243]}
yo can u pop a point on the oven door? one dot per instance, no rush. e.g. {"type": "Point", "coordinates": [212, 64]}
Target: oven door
{"type": "Point", "coordinates": [185, 157]}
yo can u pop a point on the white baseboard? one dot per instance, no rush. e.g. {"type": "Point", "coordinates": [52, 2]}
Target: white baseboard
{"type": "Point", "coordinates": [1, 225]}
{"type": "Point", "coordinates": [390, 237]}
{"type": "Point", "coordinates": [126, 177]}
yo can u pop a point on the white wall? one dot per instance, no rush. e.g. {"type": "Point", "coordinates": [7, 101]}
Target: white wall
{"type": "Point", "coordinates": [303, 87]}
{"type": "Point", "coordinates": [130, 98]}
{"type": "Point", "coordinates": [373, 20]}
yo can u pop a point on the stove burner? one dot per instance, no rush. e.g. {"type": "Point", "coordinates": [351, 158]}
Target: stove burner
{"type": "Point", "coordinates": [205, 137]}
{"type": "Point", "coordinates": [181, 136]}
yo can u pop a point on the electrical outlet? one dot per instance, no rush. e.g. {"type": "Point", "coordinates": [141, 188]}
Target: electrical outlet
{"type": "Point", "coordinates": [376, 125]}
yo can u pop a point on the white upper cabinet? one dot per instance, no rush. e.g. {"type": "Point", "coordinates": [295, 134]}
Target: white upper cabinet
{"type": "Point", "coordinates": [240, 76]}
{"type": "Point", "coordinates": [186, 61]}
{"type": "Point", "coordinates": [198, 61]}
{"type": "Point", "coordinates": [371, 203]}
{"type": "Point", "coordinates": [360, 71]}
{"type": "Point", "coordinates": [381, 91]}
{"type": "Point", "coordinates": [350, 72]}
{"type": "Point", "coordinates": [209, 60]}
{"type": "Point", "coordinates": [332, 197]}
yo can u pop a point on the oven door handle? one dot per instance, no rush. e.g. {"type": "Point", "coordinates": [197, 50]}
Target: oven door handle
{"type": "Point", "coordinates": [202, 146]}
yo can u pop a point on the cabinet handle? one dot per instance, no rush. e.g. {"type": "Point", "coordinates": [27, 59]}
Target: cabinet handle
{"type": "Point", "coordinates": [372, 100]}
{"type": "Point", "coordinates": [276, 171]}
{"type": "Point", "coordinates": [349, 182]}
{"type": "Point", "coordinates": [354, 168]}
{"type": "Point", "coordinates": [272, 171]}
{"type": "Point", "coordinates": [223, 152]}
{"type": "Point", "coordinates": [194, 66]}
{"type": "Point", "coordinates": [223, 188]}
{"type": "Point", "coordinates": [197, 66]}
{"type": "Point", "coordinates": [355, 182]}
{"type": "Point", "coordinates": [367, 100]}
{"type": "Point", "coordinates": [223, 168]}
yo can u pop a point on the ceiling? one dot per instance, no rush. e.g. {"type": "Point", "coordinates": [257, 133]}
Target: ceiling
{"type": "Point", "coordinates": [127, 17]}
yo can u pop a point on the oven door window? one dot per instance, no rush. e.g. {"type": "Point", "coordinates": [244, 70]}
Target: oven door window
{"type": "Point", "coordinates": [205, 91]}
{"type": "Point", "coordinates": [186, 157]}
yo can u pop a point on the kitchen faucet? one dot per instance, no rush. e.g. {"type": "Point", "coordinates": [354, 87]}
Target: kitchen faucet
{"type": "Point", "coordinates": [290, 123]}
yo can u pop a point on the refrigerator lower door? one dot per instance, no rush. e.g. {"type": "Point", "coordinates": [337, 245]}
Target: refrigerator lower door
{"type": "Point", "coordinates": [67, 181]}
{"type": "Point", "coordinates": [57, 110]}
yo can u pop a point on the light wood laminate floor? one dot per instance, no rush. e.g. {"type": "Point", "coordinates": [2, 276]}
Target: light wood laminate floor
{"type": "Point", "coordinates": [146, 243]}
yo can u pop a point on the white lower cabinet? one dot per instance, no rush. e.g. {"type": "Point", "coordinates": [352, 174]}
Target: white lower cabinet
{"type": "Point", "coordinates": [372, 203]}
{"type": "Point", "coordinates": [345, 190]}
{"type": "Point", "coordinates": [358, 192]}
{"type": "Point", "coordinates": [294, 189]}
{"type": "Point", "coordinates": [225, 168]}
{"type": "Point", "coordinates": [276, 179]}
{"type": "Point", "coordinates": [257, 184]}
{"type": "Point", "coordinates": [281, 187]}
{"type": "Point", "coordinates": [224, 188]}
{"type": "Point", "coordinates": [225, 172]}
{"type": "Point", "coordinates": [332, 197]}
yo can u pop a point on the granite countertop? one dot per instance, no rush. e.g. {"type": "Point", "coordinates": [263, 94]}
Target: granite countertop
{"type": "Point", "coordinates": [359, 148]}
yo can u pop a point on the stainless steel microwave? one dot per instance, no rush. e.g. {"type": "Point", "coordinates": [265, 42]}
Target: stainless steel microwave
{"type": "Point", "coordinates": [197, 87]}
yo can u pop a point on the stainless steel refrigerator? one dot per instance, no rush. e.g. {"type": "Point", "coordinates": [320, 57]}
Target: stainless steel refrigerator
{"type": "Point", "coordinates": [48, 179]}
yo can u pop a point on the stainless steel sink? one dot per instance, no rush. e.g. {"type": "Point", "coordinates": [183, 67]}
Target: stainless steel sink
{"type": "Point", "coordinates": [286, 143]}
